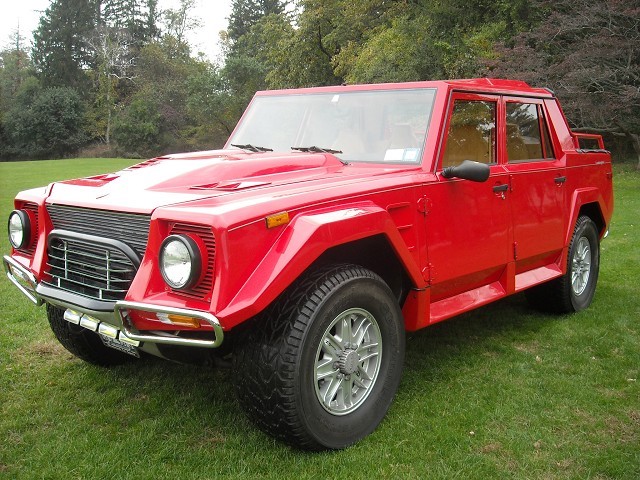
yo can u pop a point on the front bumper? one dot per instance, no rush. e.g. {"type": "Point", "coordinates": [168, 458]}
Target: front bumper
{"type": "Point", "coordinates": [26, 282]}
{"type": "Point", "coordinates": [22, 278]}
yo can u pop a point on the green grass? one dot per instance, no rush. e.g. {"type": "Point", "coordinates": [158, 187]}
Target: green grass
{"type": "Point", "coordinates": [502, 392]}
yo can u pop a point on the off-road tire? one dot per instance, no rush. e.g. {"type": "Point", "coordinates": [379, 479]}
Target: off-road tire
{"type": "Point", "coordinates": [568, 294]}
{"type": "Point", "coordinates": [277, 360]}
{"type": "Point", "coordinates": [83, 343]}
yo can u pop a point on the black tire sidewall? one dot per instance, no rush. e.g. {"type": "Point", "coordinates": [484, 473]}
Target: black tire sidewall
{"type": "Point", "coordinates": [585, 229]}
{"type": "Point", "coordinates": [82, 343]}
{"type": "Point", "coordinates": [338, 431]}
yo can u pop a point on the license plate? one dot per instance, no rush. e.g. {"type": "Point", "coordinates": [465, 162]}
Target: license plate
{"type": "Point", "coordinates": [121, 346]}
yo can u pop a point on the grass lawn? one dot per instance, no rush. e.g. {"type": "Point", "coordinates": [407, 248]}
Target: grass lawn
{"type": "Point", "coordinates": [502, 392]}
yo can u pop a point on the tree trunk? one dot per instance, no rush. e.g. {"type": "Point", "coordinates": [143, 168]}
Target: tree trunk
{"type": "Point", "coordinates": [635, 141]}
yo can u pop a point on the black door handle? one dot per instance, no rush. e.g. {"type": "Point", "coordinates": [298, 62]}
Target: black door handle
{"type": "Point", "coordinates": [560, 180]}
{"type": "Point", "coordinates": [501, 188]}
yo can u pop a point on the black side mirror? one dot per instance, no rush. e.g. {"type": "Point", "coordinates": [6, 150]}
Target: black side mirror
{"type": "Point", "coordinates": [468, 170]}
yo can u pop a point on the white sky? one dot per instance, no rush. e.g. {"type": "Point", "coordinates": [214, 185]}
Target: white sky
{"type": "Point", "coordinates": [213, 15]}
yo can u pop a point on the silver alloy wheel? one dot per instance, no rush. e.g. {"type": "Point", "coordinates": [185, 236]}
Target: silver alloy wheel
{"type": "Point", "coordinates": [348, 361]}
{"type": "Point", "coordinates": [581, 266]}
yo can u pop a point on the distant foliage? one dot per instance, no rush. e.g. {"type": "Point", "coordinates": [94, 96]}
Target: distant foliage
{"type": "Point", "coordinates": [46, 123]}
{"type": "Point", "coordinates": [140, 90]}
{"type": "Point", "coordinates": [589, 54]}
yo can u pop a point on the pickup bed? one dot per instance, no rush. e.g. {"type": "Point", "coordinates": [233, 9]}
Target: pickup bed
{"type": "Point", "coordinates": [334, 220]}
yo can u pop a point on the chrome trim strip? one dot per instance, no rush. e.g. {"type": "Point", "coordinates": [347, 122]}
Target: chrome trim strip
{"type": "Point", "coordinates": [10, 265]}
{"type": "Point", "coordinates": [121, 311]}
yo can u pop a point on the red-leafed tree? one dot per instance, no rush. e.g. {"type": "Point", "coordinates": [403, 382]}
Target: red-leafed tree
{"type": "Point", "coordinates": [589, 54]}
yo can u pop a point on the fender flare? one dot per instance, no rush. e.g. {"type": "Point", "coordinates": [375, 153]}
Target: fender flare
{"type": "Point", "coordinates": [302, 242]}
{"type": "Point", "coordinates": [581, 197]}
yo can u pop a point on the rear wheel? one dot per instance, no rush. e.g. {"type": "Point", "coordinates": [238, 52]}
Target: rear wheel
{"type": "Point", "coordinates": [83, 343]}
{"type": "Point", "coordinates": [320, 368]}
{"type": "Point", "coordinates": [575, 290]}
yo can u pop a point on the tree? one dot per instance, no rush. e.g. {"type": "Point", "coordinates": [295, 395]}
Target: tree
{"type": "Point", "coordinates": [587, 52]}
{"type": "Point", "coordinates": [60, 52]}
{"type": "Point", "coordinates": [179, 21]}
{"type": "Point", "coordinates": [138, 129]}
{"type": "Point", "coordinates": [246, 13]}
{"type": "Point", "coordinates": [114, 64]}
{"type": "Point", "coordinates": [138, 17]}
{"type": "Point", "coordinates": [45, 122]}
{"type": "Point", "coordinates": [16, 72]}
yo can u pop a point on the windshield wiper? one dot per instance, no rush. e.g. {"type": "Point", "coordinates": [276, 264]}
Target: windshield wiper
{"type": "Point", "coordinates": [252, 148]}
{"type": "Point", "coordinates": [314, 149]}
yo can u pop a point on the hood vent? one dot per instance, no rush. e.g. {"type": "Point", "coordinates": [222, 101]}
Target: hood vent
{"type": "Point", "coordinates": [229, 186]}
{"type": "Point", "coordinates": [146, 163]}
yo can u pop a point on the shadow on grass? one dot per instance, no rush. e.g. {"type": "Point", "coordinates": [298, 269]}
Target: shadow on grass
{"type": "Point", "coordinates": [434, 356]}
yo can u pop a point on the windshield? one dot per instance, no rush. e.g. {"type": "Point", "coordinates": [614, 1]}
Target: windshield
{"type": "Point", "coordinates": [374, 126]}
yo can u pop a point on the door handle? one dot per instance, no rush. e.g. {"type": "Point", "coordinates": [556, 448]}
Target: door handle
{"type": "Point", "coordinates": [500, 190]}
{"type": "Point", "coordinates": [560, 180]}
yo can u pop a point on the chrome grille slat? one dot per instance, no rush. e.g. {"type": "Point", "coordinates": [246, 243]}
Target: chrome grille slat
{"type": "Point", "coordinates": [95, 265]}
{"type": "Point", "coordinates": [102, 278]}
{"type": "Point", "coordinates": [90, 274]}
{"type": "Point", "coordinates": [130, 228]}
{"type": "Point", "coordinates": [84, 284]}
{"type": "Point", "coordinates": [88, 256]}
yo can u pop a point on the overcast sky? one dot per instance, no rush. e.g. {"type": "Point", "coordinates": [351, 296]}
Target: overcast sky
{"type": "Point", "coordinates": [212, 14]}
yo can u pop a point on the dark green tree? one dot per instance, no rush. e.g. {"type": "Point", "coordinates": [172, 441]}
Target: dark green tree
{"type": "Point", "coordinates": [138, 17]}
{"type": "Point", "coordinates": [45, 123]}
{"type": "Point", "coordinates": [246, 13]}
{"type": "Point", "coordinates": [60, 52]}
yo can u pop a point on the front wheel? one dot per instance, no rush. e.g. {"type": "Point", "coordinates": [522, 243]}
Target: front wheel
{"type": "Point", "coordinates": [321, 366]}
{"type": "Point", "coordinates": [575, 290]}
{"type": "Point", "coordinates": [83, 343]}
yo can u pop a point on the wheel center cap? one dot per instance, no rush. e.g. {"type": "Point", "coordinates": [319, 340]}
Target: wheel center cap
{"type": "Point", "coordinates": [348, 362]}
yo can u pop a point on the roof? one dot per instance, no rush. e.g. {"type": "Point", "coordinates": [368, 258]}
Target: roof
{"type": "Point", "coordinates": [481, 85]}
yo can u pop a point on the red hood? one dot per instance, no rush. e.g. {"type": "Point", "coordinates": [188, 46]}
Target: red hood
{"type": "Point", "coordinates": [182, 178]}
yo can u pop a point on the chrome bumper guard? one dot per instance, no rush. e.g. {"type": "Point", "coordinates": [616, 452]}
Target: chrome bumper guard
{"type": "Point", "coordinates": [22, 278]}
{"type": "Point", "coordinates": [121, 312]}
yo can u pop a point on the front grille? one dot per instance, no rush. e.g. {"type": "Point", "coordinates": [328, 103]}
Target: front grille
{"type": "Point", "coordinates": [96, 271]}
{"type": "Point", "coordinates": [95, 253]}
{"type": "Point", "coordinates": [130, 228]}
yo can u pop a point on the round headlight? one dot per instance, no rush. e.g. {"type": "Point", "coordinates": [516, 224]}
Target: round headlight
{"type": "Point", "coordinates": [180, 261]}
{"type": "Point", "coordinates": [19, 229]}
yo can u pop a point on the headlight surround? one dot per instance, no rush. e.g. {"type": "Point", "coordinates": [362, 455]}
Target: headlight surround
{"type": "Point", "coordinates": [180, 261]}
{"type": "Point", "coordinates": [19, 229]}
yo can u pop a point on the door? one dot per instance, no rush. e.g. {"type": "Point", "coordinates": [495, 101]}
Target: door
{"type": "Point", "coordinates": [537, 180]}
{"type": "Point", "coordinates": [468, 224]}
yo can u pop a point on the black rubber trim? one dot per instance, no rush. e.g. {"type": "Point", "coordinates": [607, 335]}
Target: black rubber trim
{"type": "Point", "coordinates": [94, 240]}
{"type": "Point", "coordinates": [48, 292]}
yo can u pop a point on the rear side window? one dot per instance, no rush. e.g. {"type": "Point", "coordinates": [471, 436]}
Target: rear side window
{"type": "Point", "coordinates": [471, 133]}
{"type": "Point", "coordinates": [527, 133]}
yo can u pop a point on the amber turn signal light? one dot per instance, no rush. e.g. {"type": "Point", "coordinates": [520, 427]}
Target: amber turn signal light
{"type": "Point", "coordinates": [277, 219]}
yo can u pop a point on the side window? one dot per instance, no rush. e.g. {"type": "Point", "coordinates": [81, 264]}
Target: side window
{"type": "Point", "coordinates": [471, 133]}
{"type": "Point", "coordinates": [527, 133]}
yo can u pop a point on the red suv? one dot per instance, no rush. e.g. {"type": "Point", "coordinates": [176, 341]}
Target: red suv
{"type": "Point", "coordinates": [334, 220]}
